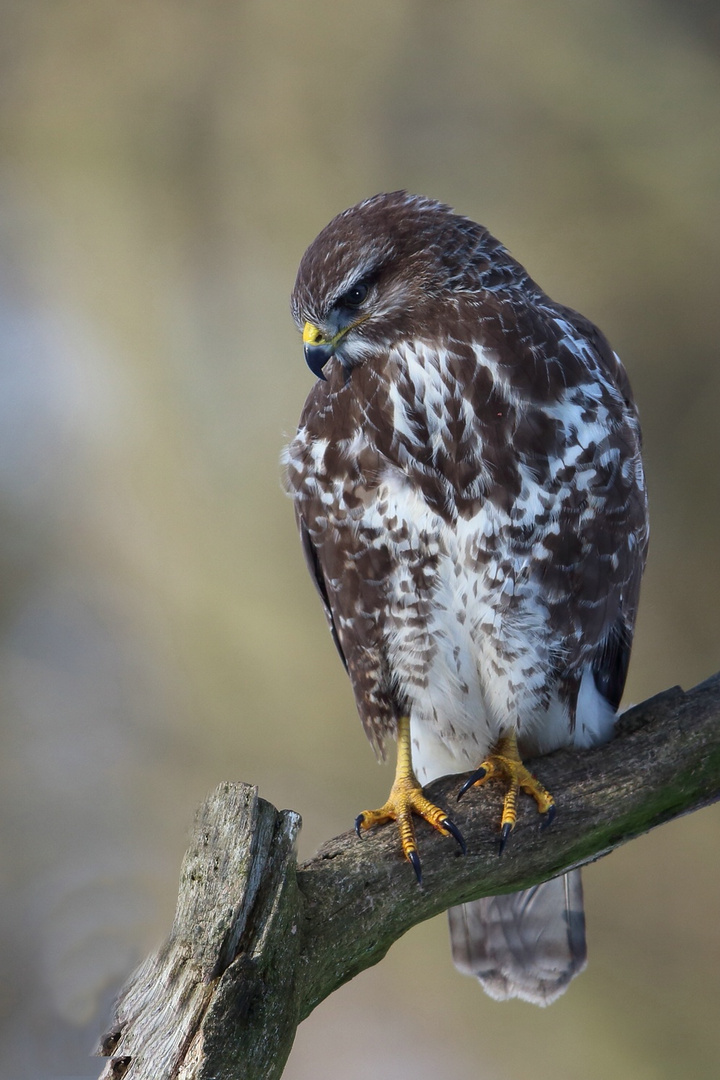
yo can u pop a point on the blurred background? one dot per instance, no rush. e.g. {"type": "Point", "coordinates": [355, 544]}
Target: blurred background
{"type": "Point", "coordinates": [163, 166]}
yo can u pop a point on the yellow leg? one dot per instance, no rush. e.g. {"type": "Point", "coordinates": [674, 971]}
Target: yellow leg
{"type": "Point", "coordinates": [504, 761]}
{"type": "Point", "coordinates": [405, 799]}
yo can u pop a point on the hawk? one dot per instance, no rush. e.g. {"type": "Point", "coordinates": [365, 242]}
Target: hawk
{"type": "Point", "coordinates": [468, 485]}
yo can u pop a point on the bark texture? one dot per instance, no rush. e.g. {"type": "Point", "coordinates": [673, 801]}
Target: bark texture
{"type": "Point", "coordinates": [258, 942]}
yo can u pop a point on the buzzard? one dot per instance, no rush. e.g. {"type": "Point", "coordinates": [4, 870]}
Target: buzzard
{"type": "Point", "coordinates": [469, 490]}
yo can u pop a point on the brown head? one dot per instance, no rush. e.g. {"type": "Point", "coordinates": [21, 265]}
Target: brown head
{"type": "Point", "coordinates": [391, 266]}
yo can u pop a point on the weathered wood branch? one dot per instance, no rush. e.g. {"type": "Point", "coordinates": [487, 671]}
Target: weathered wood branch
{"type": "Point", "coordinates": [257, 942]}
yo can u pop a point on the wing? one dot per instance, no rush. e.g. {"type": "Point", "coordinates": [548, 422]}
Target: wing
{"type": "Point", "coordinates": [611, 660]}
{"type": "Point", "coordinates": [316, 572]}
{"type": "Point", "coordinates": [349, 560]}
{"type": "Point", "coordinates": [580, 503]}
{"type": "Point", "coordinates": [602, 542]}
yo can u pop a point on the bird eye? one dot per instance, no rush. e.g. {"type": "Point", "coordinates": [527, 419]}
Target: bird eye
{"type": "Point", "coordinates": [354, 296]}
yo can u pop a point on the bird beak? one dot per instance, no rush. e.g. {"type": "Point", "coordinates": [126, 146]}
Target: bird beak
{"type": "Point", "coordinates": [317, 349]}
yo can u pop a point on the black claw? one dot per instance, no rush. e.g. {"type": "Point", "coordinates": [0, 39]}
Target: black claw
{"type": "Point", "coordinates": [506, 830]}
{"type": "Point", "coordinates": [452, 828]}
{"type": "Point", "coordinates": [358, 823]}
{"type": "Point", "coordinates": [479, 774]}
{"type": "Point", "coordinates": [549, 817]}
{"type": "Point", "coordinates": [415, 860]}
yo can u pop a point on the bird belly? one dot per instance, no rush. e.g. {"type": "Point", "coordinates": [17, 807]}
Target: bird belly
{"type": "Point", "coordinates": [468, 649]}
{"type": "Point", "coordinates": [472, 654]}
{"type": "Point", "coordinates": [460, 667]}
{"type": "Point", "coordinates": [472, 692]}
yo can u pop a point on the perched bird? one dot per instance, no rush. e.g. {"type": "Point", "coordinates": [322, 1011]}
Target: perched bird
{"type": "Point", "coordinates": [469, 490]}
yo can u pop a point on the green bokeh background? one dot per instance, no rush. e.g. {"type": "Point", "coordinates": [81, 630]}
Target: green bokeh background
{"type": "Point", "coordinates": [163, 165]}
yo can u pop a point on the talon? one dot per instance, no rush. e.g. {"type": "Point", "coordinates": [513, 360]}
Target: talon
{"type": "Point", "coordinates": [474, 778]}
{"type": "Point", "coordinates": [406, 799]}
{"type": "Point", "coordinates": [504, 762]}
{"type": "Point", "coordinates": [414, 858]}
{"type": "Point", "coordinates": [452, 828]}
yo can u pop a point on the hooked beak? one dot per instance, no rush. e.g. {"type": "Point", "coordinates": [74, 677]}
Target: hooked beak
{"type": "Point", "coordinates": [317, 349]}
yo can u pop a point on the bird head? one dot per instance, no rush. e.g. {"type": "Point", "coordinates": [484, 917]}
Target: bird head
{"type": "Point", "coordinates": [381, 269]}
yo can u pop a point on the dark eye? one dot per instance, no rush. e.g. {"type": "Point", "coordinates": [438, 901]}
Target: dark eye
{"type": "Point", "coordinates": [354, 296]}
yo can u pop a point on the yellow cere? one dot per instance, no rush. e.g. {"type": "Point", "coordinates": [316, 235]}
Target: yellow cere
{"type": "Point", "coordinates": [311, 335]}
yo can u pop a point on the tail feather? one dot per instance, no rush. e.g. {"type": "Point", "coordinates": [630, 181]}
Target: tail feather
{"type": "Point", "coordinates": [527, 944]}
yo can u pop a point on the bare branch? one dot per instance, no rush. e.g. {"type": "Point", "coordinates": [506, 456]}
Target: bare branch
{"type": "Point", "coordinates": [257, 944]}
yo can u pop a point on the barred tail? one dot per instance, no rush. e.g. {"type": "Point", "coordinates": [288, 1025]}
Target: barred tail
{"type": "Point", "coordinates": [527, 944]}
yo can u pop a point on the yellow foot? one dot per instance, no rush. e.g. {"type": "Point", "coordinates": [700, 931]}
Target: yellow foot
{"type": "Point", "coordinates": [504, 761]}
{"type": "Point", "coordinates": [406, 798]}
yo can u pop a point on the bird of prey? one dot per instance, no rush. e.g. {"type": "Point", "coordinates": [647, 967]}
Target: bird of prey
{"type": "Point", "coordinates": [468, 485]}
